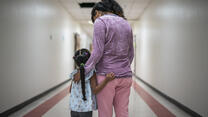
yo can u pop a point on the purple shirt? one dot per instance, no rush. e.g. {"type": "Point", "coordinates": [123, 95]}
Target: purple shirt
{"type": "Point", "coordinates": [112, 47]}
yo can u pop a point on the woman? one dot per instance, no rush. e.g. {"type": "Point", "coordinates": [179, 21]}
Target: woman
{"type": "Point", "coordinates": [112, 52]}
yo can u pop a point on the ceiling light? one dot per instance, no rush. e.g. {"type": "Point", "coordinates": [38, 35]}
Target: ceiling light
{"type": "Point", "coordinates": [86, 4]}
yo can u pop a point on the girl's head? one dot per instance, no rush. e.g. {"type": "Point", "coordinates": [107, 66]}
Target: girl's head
{"type": "Point", "coordinates": [80, 57]}
{"type": "Point", "coordinates": [106, 6]}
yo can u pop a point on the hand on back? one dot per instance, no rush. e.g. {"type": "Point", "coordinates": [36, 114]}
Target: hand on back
{"type": "Point", "coordinates": [110, 76]}
{"type": "Point", "coordinates": [77, 77]}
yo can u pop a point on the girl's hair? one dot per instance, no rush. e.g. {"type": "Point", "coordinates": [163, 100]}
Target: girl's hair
{"type": "Point", "coordinates": [80, 57]}
{"type": "Point", "coordinates": [107, 6]}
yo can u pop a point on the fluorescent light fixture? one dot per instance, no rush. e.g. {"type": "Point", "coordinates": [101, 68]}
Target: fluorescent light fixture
{"type": "Point", "coordinates": [86, 4]}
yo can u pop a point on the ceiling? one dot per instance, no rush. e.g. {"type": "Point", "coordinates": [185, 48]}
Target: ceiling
{"type": "Point", "coordinates": [133, 9]}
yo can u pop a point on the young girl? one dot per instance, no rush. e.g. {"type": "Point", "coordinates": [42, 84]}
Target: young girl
{"type": "Point", "coordinates": [82, 98]}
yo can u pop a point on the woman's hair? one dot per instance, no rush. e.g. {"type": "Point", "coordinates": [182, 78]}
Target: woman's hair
{"type": "Point", "coordinates": [80, 57]}
{"type": "Point", "coordinates": [107, 6]}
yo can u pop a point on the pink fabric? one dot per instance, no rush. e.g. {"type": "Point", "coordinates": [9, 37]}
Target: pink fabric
{"type": "Point", "coordinates": [115, 93]}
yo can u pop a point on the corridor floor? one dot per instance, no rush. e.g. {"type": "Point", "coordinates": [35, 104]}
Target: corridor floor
{"type": "Point", "coordinates": [144, 102]}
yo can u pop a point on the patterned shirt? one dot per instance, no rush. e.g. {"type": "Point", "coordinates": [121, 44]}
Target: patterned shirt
{"type": "Point", "coordinates": [76, 98]}
{"type": "Point", "coordinates": [112, 47]}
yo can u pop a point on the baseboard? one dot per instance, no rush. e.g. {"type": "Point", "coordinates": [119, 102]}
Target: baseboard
{"type": "Point", "coordinates": [31, 100]}
{"type": "Point", "coordinates": [171, 100]}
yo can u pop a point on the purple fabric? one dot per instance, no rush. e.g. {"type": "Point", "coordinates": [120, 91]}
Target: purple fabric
{"type": "Point", "coordinates": [112, 47]}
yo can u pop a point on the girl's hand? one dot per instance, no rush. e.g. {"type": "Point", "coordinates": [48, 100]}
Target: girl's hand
{"type": "Point", "coordinates": [110, 76]}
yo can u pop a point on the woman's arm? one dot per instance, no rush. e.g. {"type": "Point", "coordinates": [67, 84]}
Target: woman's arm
{"type": "Point", "coordinates": [98, 45]}
{"type": "Point", "coordinates": [97, 88]}
{"type": "Point", "coordinates": [131, 48]}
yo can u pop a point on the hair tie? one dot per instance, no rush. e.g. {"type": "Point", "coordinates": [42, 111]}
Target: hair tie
{"type": "Point", "coordinates": [82, 64]}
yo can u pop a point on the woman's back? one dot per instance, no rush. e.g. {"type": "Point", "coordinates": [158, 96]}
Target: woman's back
{"type": "Point", "coordinates": [118, 46]}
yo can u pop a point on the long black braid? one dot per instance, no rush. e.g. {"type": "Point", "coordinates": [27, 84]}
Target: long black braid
{"type": "Point", "coordinates": [81, 56]}
{"type": "Point", "coordinates": [82, 75]}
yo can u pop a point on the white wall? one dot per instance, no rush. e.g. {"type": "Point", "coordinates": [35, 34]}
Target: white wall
{"type": "Point", "coordinates": [30, 61]}
{"type": "Point", "coordinates": [172, 45]}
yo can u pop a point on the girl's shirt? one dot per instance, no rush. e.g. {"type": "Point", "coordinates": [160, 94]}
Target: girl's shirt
{"type": "Point", "coordinates": [76, 98]}
{"type": "Point", "coordinates": [112, 47]}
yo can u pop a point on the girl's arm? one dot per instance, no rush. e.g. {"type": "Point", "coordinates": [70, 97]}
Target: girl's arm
{"type": "Point", "coordinates": [97, 88]}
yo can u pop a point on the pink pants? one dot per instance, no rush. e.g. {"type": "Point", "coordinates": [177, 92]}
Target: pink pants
{"type": "Point", "coordinates": [115, 93]}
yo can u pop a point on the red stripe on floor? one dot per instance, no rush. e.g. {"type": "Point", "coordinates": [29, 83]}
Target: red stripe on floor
{"type": "Point", "coordinates": [47, 105]}
{"type": "Point", "coordinates": [155, 106]}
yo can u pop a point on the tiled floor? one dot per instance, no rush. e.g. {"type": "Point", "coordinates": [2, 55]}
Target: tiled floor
{"type": "Point", "coordinates": [171, 107]}
{"type": "Point", "coordinates": [137, 106]}
{"type": "Point", "coordinates": [38, 102]}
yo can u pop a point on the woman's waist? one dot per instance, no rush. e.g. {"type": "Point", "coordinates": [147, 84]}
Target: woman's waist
{"type": "Point", "coordinates": [117, 73]}
{"type": "Point", "coordinates": [113, 64]}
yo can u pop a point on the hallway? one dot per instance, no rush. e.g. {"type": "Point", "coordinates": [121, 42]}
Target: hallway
{"type": "Point", "coordinates": [51, 106]}
{"type": "Point", "coordinates": [38, 39]}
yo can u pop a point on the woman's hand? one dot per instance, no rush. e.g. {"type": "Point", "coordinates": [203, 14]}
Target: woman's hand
{"type": "Point", "coordinates": [77, 77]}
{"type": "Point", "coordinates": [110, 76]}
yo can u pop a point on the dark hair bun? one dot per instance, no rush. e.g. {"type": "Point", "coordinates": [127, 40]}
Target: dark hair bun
{"type": "Point", "coordinates": [81, 56]}
{"type": "Point", "coordinates": [108, 6]}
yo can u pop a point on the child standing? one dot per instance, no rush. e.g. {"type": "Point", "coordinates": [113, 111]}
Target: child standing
{"type": "Point", "coordinates": [82, 98]}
